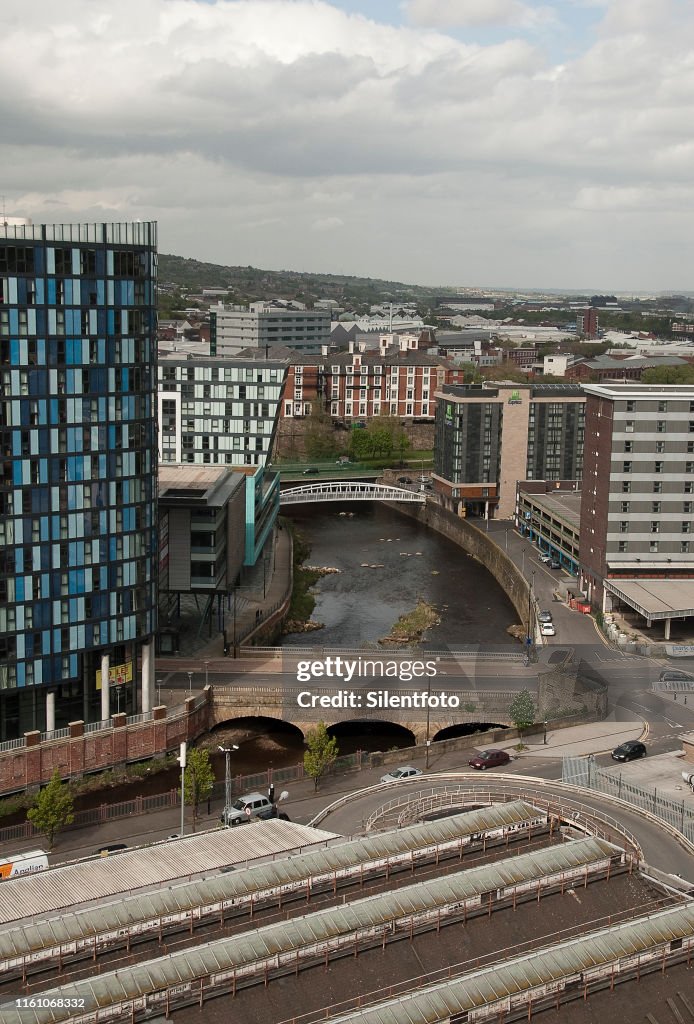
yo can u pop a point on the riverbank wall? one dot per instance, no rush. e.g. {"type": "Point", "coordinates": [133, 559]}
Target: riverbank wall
{"type": "Point", "coordinates": [566, 690]}
{"type": "Point", "coordinates": [479, 545]}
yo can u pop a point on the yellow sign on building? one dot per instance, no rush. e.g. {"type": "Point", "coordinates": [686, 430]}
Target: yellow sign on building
{"type": "Point", "coordinates": [118, 675]}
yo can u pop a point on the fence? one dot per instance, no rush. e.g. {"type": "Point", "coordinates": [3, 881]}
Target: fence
{"type": "Point", "coordinates": [583, 771]}
{"type": "Point", "coordinates": [100, 814]}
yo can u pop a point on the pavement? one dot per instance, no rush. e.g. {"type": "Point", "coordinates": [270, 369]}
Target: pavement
{"type": "Point", "coordinates": [304, 803]}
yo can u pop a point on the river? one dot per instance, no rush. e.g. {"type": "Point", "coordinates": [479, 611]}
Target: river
{"type": "Point", "coordinates": [387, 561]}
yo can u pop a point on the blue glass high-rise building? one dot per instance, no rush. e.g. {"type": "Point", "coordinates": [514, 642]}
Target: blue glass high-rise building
{"type": "Point", "coordinates": [78, 465]}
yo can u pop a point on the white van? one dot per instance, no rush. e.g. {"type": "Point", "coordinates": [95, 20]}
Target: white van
{"type": "Point", "coordinates": [23, 864]}
{"type": "Point", "coordinates": [250, 805]}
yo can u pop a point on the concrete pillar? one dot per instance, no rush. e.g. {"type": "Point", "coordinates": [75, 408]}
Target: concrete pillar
{"type": "Point", "coordinates": [147, 676]}
{"type": "Point", "coordinates": [105, 687]}
{"type": "Point", "coordinates": [50, 711]}
{"type": "Point", "coordinates": [667, 629]}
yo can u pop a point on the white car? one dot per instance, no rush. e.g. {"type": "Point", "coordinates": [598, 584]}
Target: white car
{"type": "Point", "coordinates": [398, 774]}
{"type": "Point", "coordinates": [547, 629]}
{"type": "Point", "coordinates": [545, 558]}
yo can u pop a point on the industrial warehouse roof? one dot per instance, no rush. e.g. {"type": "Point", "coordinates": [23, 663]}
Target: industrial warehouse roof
{"type": "Point", "coordinates": [515, 977]}
{"type": "Point", "coordinates": [274, 940]}
{"type": "Point", "coordinates": [52, 890]}
{"type": "Point", "coordinates": [208, 895]}
{"type": "Point", "coordinates": [655, 599]}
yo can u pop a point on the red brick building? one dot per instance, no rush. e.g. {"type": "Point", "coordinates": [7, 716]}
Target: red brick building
{"type": "Point", "coordinates": [359, 385]}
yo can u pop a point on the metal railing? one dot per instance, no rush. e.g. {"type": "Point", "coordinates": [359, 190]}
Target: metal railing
{"type": "Point", "coordinates": [342, 490]}
{"type": "Point", "coordinates": [55, 734]}
{"type": "Point", "coordinates": [13, 744]}
{"type": "Point", "coordinates": [582, 771]}
{"type": "Point", "coordinates": [146, 716]}
{"type": "Point", "coordinates": [464, 653]}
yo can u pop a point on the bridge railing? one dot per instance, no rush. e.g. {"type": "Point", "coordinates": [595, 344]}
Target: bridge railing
{"type": "Point", "coordinates": [466, 653]}
{"type": "Point", "coordinates": [354, 491]}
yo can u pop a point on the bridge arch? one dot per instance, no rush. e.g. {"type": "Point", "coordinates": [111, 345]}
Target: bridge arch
{"type": "Point", "coordinates": [257, 725]}
{"type": "Point", "coordinates": [370, 734]}
{"type": "Point", "coordinates": [450, 732]}
{"type": "Point", "coordinates": [349, 490]}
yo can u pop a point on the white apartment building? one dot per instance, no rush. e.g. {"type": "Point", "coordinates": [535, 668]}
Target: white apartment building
{"type": "Point", "coordinates": [267, 327]}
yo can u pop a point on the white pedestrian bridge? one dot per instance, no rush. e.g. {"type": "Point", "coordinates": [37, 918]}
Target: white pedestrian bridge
{"type": "Point", "coordinates": [348, 490]}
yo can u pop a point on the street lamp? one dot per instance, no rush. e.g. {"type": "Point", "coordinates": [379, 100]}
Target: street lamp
{"type": "Point", "coordinates": [227, 775]}
{"type": "Point", "coordinates": [544, 737]}
{"type": "Point", "coordinates": [207, 665]}
{"type": "Point", "coordinates": [159, 682]}
{"type": "Point", "coordinates": [190, 682]}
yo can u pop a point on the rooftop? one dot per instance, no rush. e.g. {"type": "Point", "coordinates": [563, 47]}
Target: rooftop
{"type": "Point", "coordinates": [209, 485]}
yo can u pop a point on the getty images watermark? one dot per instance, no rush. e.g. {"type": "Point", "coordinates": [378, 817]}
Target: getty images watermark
{"type": "Point", "coordinates": [346, 672]}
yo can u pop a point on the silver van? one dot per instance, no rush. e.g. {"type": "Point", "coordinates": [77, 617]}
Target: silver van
{"type": "Point", "coordinates": [247, 807]}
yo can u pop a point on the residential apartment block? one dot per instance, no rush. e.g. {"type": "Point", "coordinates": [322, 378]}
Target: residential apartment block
{"type": "Point", "coordinates": [359, 385]}
{"type": "Point", "coordinates": [78, 552]}
{"type": "Point", "coordinates": [638, 498]}
{"type": "Point", "coordinates": [489, 436]}
{"type": "Point", "coordinates": [266, 328]}
{"type": "Point", "coordinates": [224, 412]}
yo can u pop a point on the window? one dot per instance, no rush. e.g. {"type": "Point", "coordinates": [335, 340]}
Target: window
{"type": "Point", "coordinates": [629, 426]}
{"type": "Point", "coordinates": [687, 507]}
{"type": "Point", "coordinates": [623, 545]}
{"type": "Point", "coordinates": [627, 467]}
{"type": "Point", "coordinates": [626, 505]}
{"type": "Point", "coordinates": [624, 526]}
{"type": "Point", "coordinates": [691, 426]}
{"type": "Point", "coordinates": [688, 487]}
{"type": "Point", "coordinates": [626, 486]}
{"type": "Point", "coordinates": [654, 545]}
{"type": "Point", "coordinates": [684, 547]}
{"type": "Point", "coordinates": [655, 526]}
{"type": "Point", "coordinates": [631, 406]}
{"type": "Point", "coordinates": [657, 487]}
{"type": "Point", "coordinates": [686, 526]}
{"type": "Point", "coordinates": [655, 507]}
{"type": "Point", "coordinates": [690, 446]}
{"type": "Point", "coordinates": [659, 466]}
{"type": "Point", "coordinates": [662, 406]}
{"type": "Point", "coordinates": [660, 426]}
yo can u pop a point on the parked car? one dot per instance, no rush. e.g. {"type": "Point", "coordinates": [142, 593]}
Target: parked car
{"type": "Point", "coordinates": [104, 851]}
{"type": "Point", "coordinates": [629, 751]}
{"type": "Point", "coordinates": [689, 779]}
{"type": "Point", "coordinates": [489, 759]}
{"type": "Point", "coordinates": [404, 479]}
{"type": "Point", "coordinates": [547, 629]}
{"type": "Point", "coordinates": [344, 460]}
{"type": "Point", "coordinates": [312, 471]}
{"type": "Point", "coordinates": [672, 675]}
{"type": "Point", "coordinates": [246, 807]}
{"type": "Point", "coordinates": [553, 564]}
{"type": "Point", "coordinates": [398, 774]}
{"type": "Point", "coordinates": [544, 616]}
{"type": "Point", "coordinates": [545, 558]}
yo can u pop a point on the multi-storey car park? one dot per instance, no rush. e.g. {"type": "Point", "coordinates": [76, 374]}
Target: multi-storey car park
{"type": "Point", "coordinates": [460, 908]}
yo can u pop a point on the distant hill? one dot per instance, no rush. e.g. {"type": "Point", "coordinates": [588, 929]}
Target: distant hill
{"type": "Point", "coordinates": [249, 283]}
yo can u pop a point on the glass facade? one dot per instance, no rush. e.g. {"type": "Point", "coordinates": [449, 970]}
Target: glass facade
{"type": "Point", "coordinates": [79, 449]}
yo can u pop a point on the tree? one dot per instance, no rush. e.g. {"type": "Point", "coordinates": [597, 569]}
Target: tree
{"type": "Point", "coordinates": [53, 809]}
{"type": "Point", "coordinates": [669, 375]}
{"type": "Point", "coordinates": [522, 712]}
{"type": "Point", "coordinates": [198, 779]}
{"type": "Point", "coordinates": [360, 445]}
{"type": "Point", "coordinates": [320, 438]}
{"type": "Point", "coordinates": [320, 754]}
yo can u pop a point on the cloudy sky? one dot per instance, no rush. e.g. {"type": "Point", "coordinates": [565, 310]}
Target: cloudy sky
{"type": "Point", "coordinates": [519, 143]}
